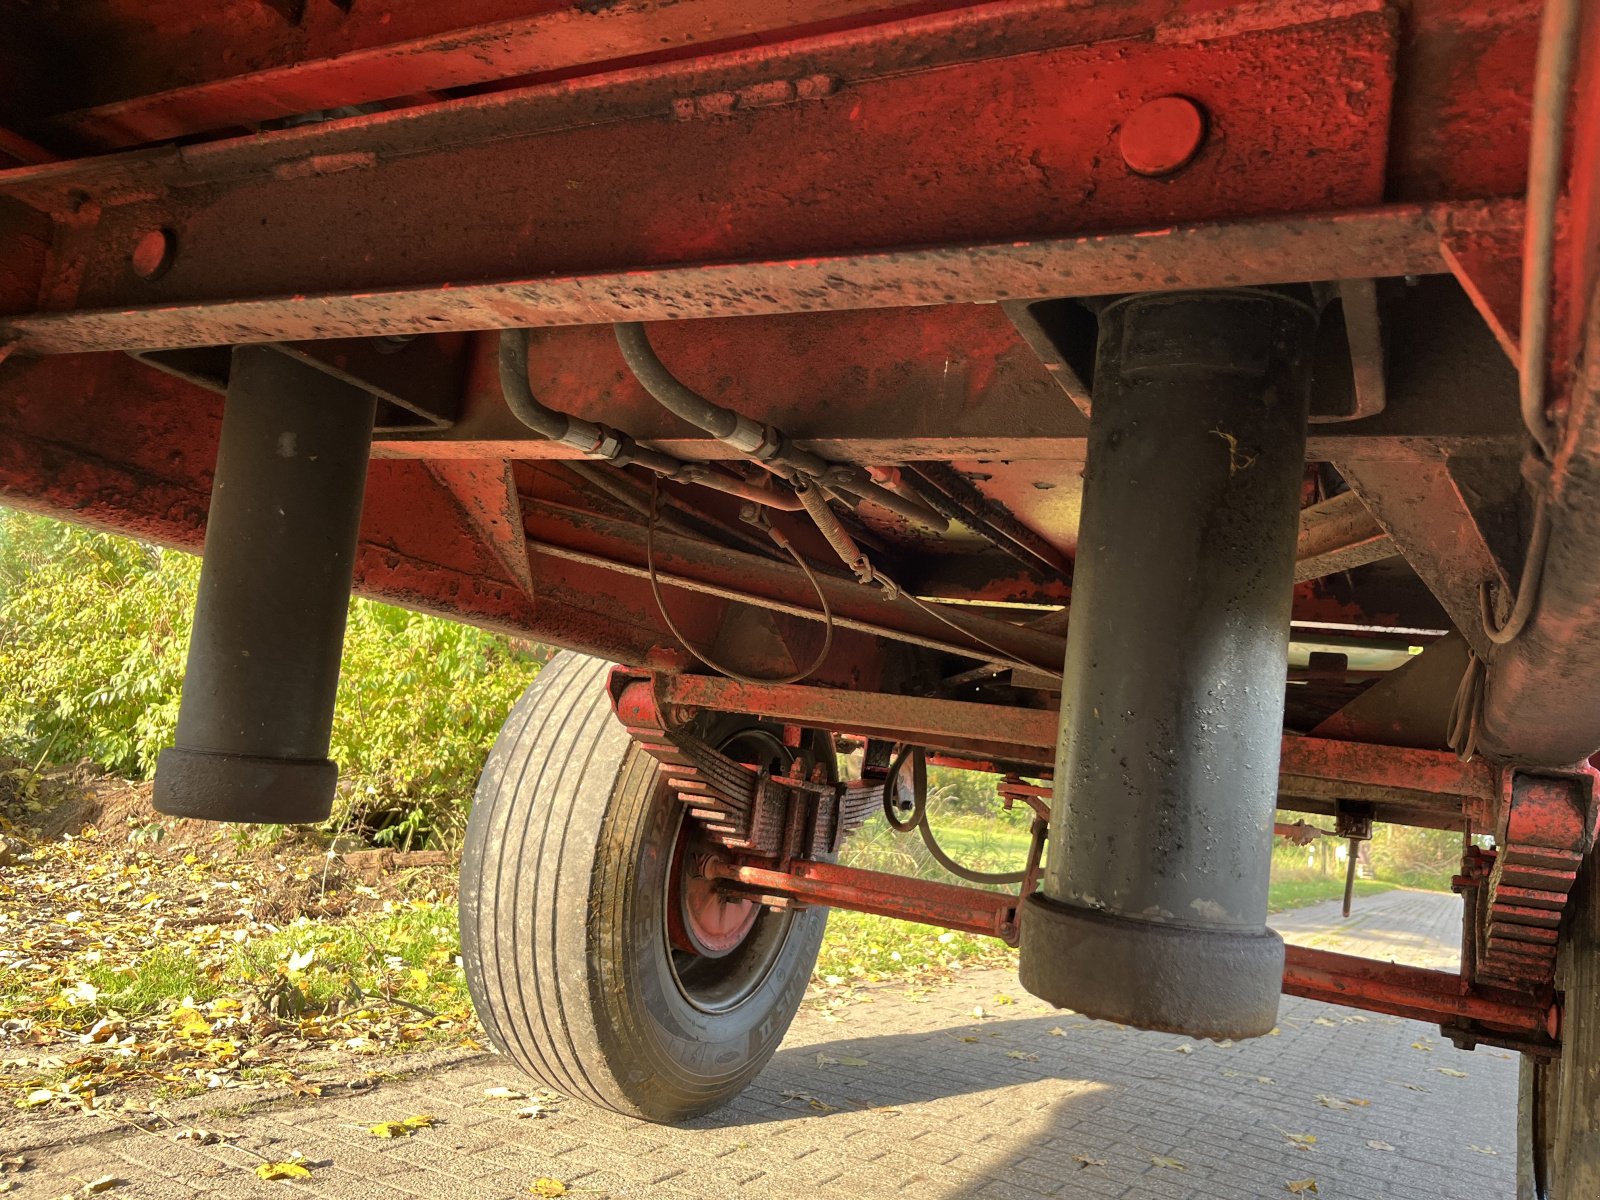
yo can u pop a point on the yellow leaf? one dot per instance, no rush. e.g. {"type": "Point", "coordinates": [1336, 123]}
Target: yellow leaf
{"type": "Point", "coordinates": [545, 1186]}
{"type": "Point", "coordinates": [389, 1129]}
{"type": "Point", "coordinates": [420, 1121]}
{"type": "Point", "coordinates": [104, 1184]}
{"type": "Point", "coordinates": [1453, 1074]}
{"type": "Point", "coordinates": [1322, 1021]}
{"type": "Point", "coordinates": [1170, 1164]}
{"type": "Point", "coordinates": [1300, 1185]}
{"type": "Point", "coordinates": [1057, 1031]}
{"type": "Point", "coordinates": [850, 1061]}
{"type": "Point", "coordinates": [1305, 1140]}
{"type": "Point", "coordinates": [504, 1093]}
{"type": "Point", "coordinates": [1083, 1160]}
{"type": "Point", "coordinates": [282, 1170]}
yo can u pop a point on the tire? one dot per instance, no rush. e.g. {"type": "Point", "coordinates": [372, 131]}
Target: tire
{"type": "Point", "coordinates": [1558, 1109]}
{"type": "Point", "coordinates": [570, 849]}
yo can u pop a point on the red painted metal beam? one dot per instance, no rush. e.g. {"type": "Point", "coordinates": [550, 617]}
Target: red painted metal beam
{"type": "Point", "coordinates": [1436, 783]}
{"type": "Point", "coordinates": [1411, 992]}
{"type": "Point", "coordinates": [946, 904]}
{"type": "Point", "coordinates": [339, 59]}
{"type": "Point", "coordinates": [1381, 241]}
{"type": "Point", "coordinates": [799, 158]}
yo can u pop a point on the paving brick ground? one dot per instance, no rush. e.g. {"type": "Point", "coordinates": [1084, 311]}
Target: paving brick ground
{"type": "Point", "coordinates": [949, 1104]}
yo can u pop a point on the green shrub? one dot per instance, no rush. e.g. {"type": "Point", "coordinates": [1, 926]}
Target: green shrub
{"type": "Point", "coordinates": [94, 631]}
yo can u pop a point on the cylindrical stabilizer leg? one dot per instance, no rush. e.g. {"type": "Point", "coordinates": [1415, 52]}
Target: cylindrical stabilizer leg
{"type": "Point", "coordinates": [1153, 906]}
{"type": "Point", "coordinates": [257, 709]}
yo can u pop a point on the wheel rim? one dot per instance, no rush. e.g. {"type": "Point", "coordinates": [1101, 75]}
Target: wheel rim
{"type": "Point", "coordinates": [720, 951]}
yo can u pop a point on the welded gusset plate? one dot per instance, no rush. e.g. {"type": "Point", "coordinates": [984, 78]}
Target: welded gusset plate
{"type": "Point", "coordinates": [1547, 825]}
{"type": "Point", "coordinates": [1006, 128]}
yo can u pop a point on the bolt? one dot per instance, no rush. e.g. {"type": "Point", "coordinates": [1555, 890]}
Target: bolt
{"type": "Point", "coordinates": [1162, 135]}
{"type": "Point", "coordinates": [153, 254]}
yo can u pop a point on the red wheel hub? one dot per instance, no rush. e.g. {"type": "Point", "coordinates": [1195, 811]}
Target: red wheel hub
{"type": "Point", "coordinates": [713, 922]}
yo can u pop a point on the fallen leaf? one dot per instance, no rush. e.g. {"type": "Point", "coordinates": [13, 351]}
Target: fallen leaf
{"type": "Point", "coordinates": [1323, 1021]}
{"type": "Point", "coordinates": [850, 1061]}
{"type": "Point", "coordinates": [1057, 1031]}
{"type": "Point", "coordinates": [1300, 1185]}
{"type": "Point", "coordinates": [1083, 1160]}
{"type": "Point", "coordinates": [1171, 1164]}
{"type": "Point", "coordinates": [826, 1060]}
{"type": "Point", "coordinates": [967, 1039]}
{"type": "Point", "coordinates": [1375, 1145]}
{"type": "Point", "coordinates": [106, 1182]}
{"type": "Point", "coordinates": [1331, 1102]}
{"type": "Point", "coordinates": [537, 1110]}
{"type": "Point", "coordinates": [1304, 1140]}
{"type": "Point", "coordinates": [1266, 1079]}
{"type": "Point", "coordinates": [1023, 1055]}
{"type": "Point", "coordinates": [545, 1186]}
{"type": "Point", "coordinates": [301, 959]}
{"type": "Point", "coordinates": [812, 1101]}
{"type": "Point", "coordinates": [1183, 1049]}
{"type": "Point", "coordinates": [1452, 1073]}
{"type": "Point", "coordinates": [1489, 1150]}
{"type": "Point", "coordinates": [405, 1128]}
{"type": "Point", "coordinates": [504, 1093]}
{"type": "Point", "coordinates": [7, 1185]}
{"type": "Point", "coordinates": [291, 1169]}
{"type": "Point", "coordinates": [1423, 1046]}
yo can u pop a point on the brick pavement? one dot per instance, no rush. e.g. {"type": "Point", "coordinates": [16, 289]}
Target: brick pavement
{"type": "Point", "coordinates": [949, 1104]}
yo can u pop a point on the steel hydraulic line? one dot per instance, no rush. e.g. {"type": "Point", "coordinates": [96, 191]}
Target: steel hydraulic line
{"type": "Point", "coordinates": [763, 443]}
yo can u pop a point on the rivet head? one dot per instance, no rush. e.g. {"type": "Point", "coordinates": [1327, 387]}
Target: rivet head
{"type": "Point", "coordinates": [1162, 135]}
{"type": "Point", "coordinates": [153, 254]}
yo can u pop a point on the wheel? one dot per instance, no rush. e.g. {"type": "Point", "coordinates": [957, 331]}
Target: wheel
{"type": "Point", "coordinates": [595, 960]}
{"type": "Point", "coordinates": [1558, 1105]}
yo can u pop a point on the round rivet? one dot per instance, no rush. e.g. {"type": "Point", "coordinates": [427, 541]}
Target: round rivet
{"type": "Point", "coordinates": [1162, 135]}
{"type": "Point", "coordinates": [153, 254]}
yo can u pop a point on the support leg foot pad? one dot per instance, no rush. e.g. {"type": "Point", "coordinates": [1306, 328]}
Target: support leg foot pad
{"type": "Point", "coordinates": [208, 786]}
{"type": "Point", "coordinates": [1209, 983]}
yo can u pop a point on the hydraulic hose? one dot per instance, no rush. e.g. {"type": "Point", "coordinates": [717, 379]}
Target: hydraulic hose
{"type": "Point", "coordinates": [761, 442]}
{"type": "Point", "coordinates": [683, 401]}
{"type": "Point", "coordinates": [525, 406]}
{"type": "Point", "coordinates": [598, 441]}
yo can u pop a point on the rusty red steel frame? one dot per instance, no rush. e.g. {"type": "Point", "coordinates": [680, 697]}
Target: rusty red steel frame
{"type": "Point", "coordinates": [1411, 992]}
{"type": "Point", "coordinates": [830, 209]}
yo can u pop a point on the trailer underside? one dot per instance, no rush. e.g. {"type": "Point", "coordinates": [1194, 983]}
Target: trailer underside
{"type": "Point", "coordinates": [923, 259]}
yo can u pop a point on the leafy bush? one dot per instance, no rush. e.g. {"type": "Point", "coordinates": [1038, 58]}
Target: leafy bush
{"type": "Point", "coordinates": [94, 632]}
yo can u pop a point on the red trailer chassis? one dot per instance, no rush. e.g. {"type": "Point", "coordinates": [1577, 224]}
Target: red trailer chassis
{"type": "Point", "coordinates": [885, 243]}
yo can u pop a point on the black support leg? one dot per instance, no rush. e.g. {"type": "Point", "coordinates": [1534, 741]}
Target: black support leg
{"type": "Point", "coordinates": [1153, 906]}
{"type": "Point", "coordinates": [257, 708]}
